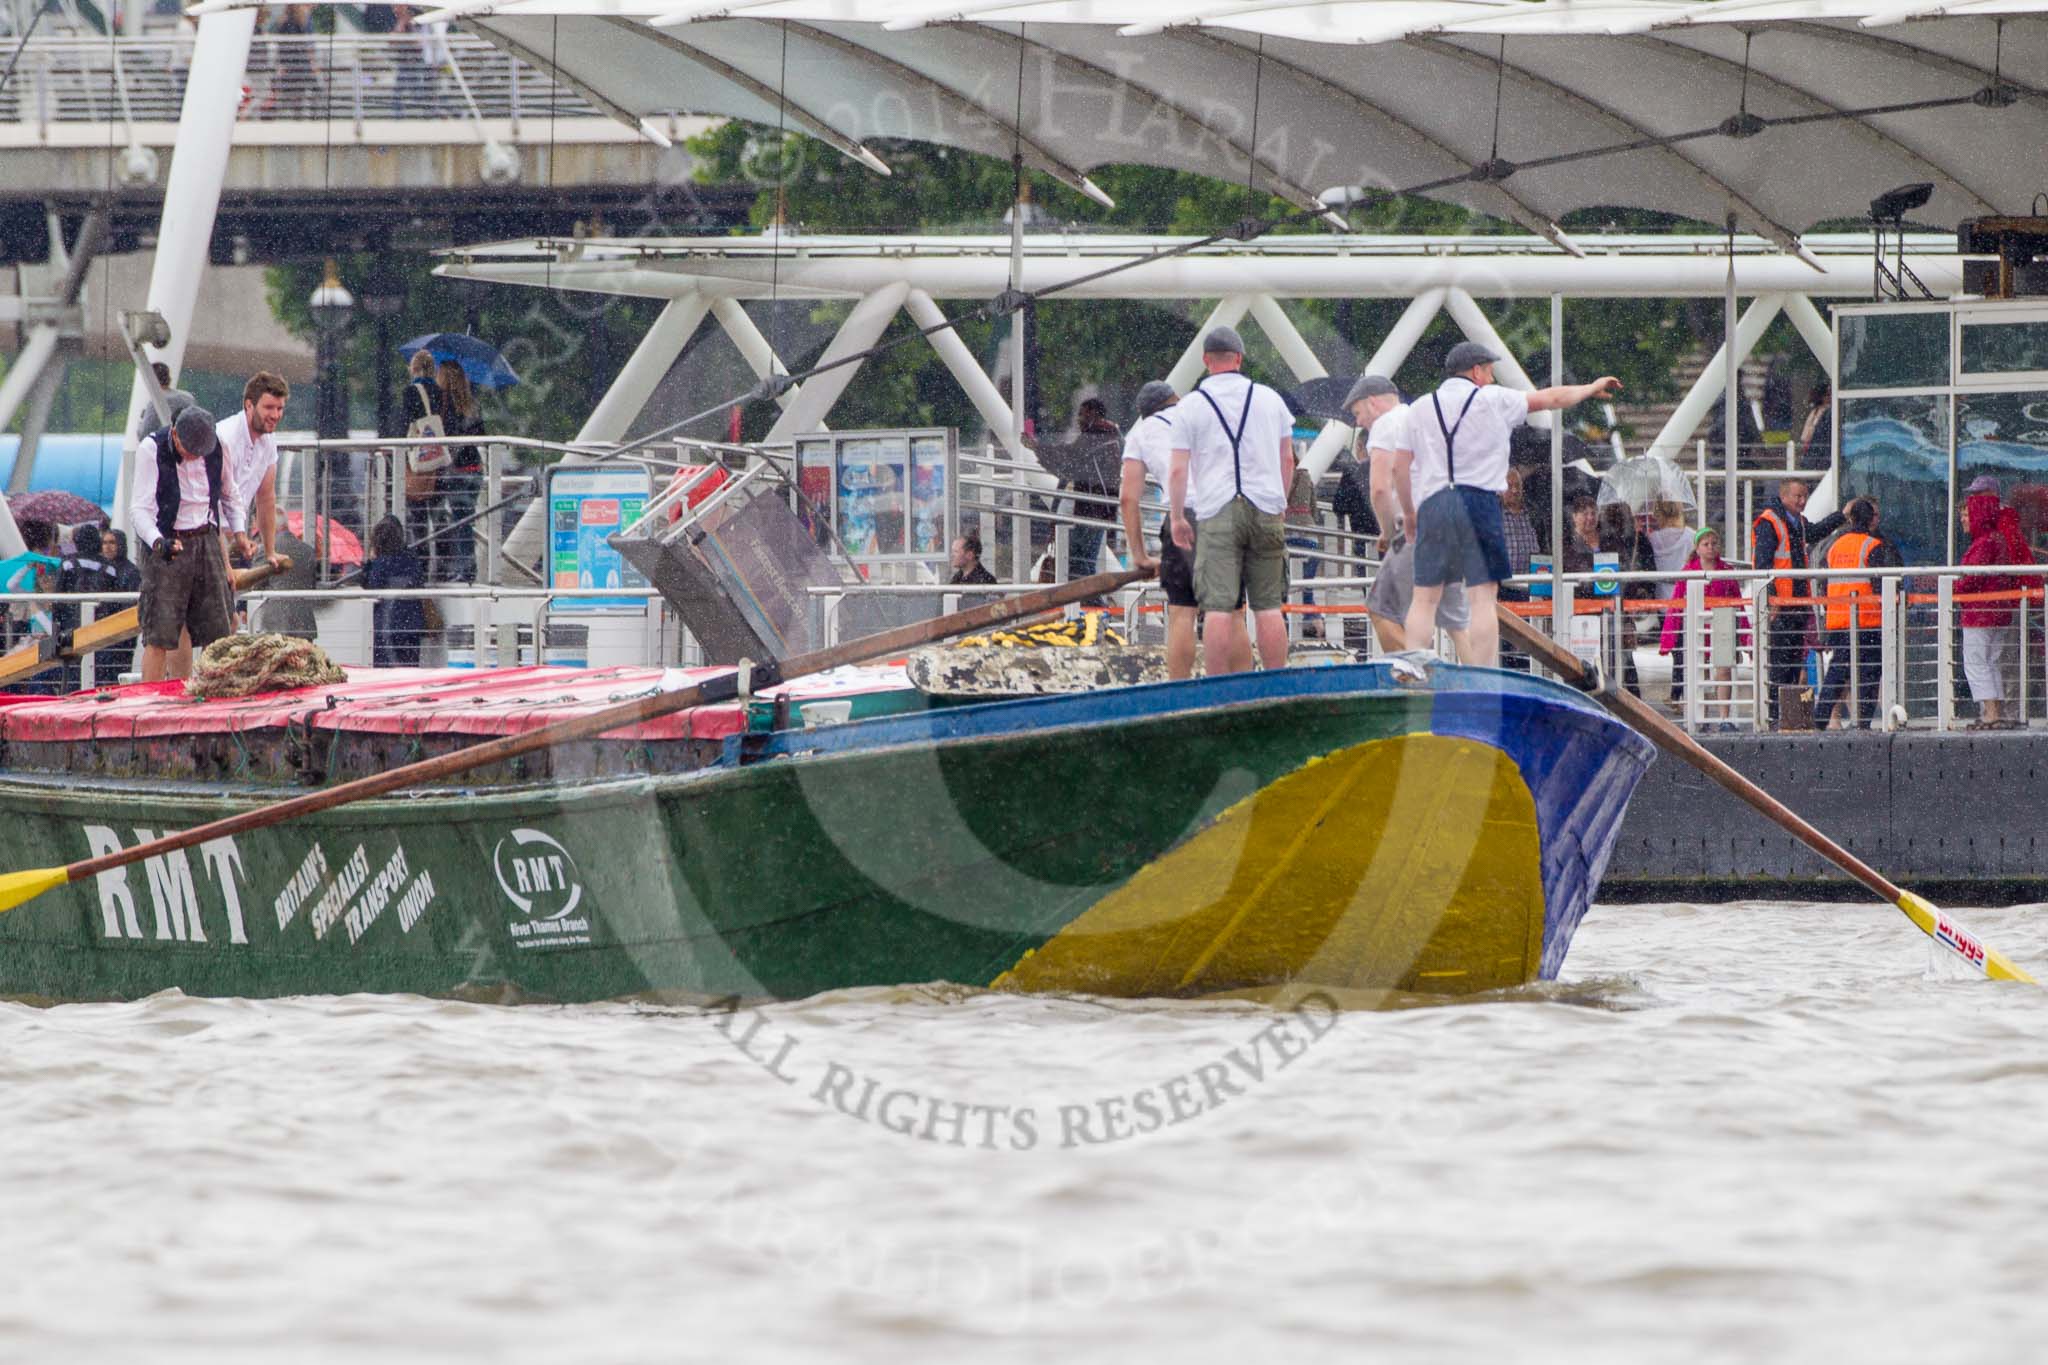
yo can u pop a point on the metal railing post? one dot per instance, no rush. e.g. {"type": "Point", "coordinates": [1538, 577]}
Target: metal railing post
{"type": "Point", "coordinates": [88, 612]}
{"type": "Point", "coordinates": [1891, 651]}
{"type": "Point", "coordinates": [493, 493]}
{"type": "Point", "coordinates": [1562, 609]}
{"type": "Point", "coordinates": [1695, 656]}
{"type": "Point", "coordinates": [1944, 653]}
{"type": "Point", "coordinates": [1760, 662]}
{"type": "Point", "coordinates": [2025, 602]}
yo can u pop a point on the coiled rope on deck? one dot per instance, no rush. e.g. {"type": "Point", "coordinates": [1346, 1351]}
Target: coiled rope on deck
{"type": "Point", "coordinates": [242, 665]}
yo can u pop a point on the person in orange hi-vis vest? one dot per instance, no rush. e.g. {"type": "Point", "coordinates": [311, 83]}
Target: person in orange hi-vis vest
{"type": "Point", "coordinates": [1854, 613]}
{"type": "Point", "coordinates": [1780, 538]}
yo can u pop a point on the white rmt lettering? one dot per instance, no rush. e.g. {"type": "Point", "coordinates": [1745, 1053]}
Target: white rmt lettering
{"type": "Point", "coordinates": [172, 894]}
{"type": "Point", "coordinates": [113, 887]}
{"type": "Point", "coordinates": [417, 897]}
{"type": "Point", "coordinates": [301, 887]}
{"type": "Point", "coordinates": [224, 860]}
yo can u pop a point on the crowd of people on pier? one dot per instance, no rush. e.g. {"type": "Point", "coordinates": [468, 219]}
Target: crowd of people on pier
{"type": "Point", "coordinates": [203, 503]}
{"type": "Point", "coordinates": [1430, 492]}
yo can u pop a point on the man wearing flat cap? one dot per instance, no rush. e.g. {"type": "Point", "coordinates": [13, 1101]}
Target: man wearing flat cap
{"type": "Point", "coordinates": [1148, 454]}
{"type": "Point", "coordinates": [1459, 439]}
{"type": "Point", "coordinates": [1233, 457]}
{"type": "Point", "coordinates": [181, 504]}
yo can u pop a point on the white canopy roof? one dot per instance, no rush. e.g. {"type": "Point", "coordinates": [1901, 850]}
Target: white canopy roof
{"type": "Point", "coordinates": [1304, 95]}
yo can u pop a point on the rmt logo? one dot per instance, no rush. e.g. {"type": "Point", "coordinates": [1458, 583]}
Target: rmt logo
{"type": "Point", "coordinates": [537, 874]}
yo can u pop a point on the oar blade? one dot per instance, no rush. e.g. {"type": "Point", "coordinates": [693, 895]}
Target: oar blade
{"type": "Point", "coordinates": [1943, 928]}
{"type": "Point", "coordinates": [17, 887]}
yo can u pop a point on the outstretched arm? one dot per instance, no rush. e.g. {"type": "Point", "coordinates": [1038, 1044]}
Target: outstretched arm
{"type": "Point", "coordinates": [1571, 395]}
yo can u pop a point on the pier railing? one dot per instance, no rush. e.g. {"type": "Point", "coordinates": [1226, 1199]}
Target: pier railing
{"type": "Point", "coordinates": [1914, 667]}
{"type": "Point", "coordinates": [348, 78]}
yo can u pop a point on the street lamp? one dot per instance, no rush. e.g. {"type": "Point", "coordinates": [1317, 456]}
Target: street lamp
{"type": "Point", "coordinates": [333, 309]}
{"type": "Point", "coordinates": [383, 297]}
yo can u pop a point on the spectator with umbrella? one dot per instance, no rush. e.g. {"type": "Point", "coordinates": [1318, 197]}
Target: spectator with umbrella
{"type": "Point", "coordinates": [456, 365]}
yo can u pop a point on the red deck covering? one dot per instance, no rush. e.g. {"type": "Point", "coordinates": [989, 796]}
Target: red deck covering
{"type": "Point", "coordinates": [462, 701]}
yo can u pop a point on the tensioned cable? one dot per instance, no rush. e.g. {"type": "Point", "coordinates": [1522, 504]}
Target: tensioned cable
{"type": "Point", "coordinates": [775, 337]}
{"type": "Point", "coordinates": [19, 47]}
{"type": "Point", "coordinates": [1500, 85]}
{"type": "Point", "coordinates": [1251, 152]}
{"type": "Point", "coordinates": [1494, 171]}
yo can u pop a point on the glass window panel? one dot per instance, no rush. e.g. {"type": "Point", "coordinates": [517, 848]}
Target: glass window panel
{"type": "Point", "coordinates": [2005, 347]}
{"type": "Point", "coordinates": [1894, 350]}
{"type": "Point", "coordinates": [2005, 435]}
{"type": "Point", "coordinates": [1896, 451]}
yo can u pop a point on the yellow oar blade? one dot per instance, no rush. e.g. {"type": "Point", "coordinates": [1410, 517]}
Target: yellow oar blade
{"type": "Point", "coordinates": [1938, 925]}
{"type": "Point", "coordinates": [16, 887]}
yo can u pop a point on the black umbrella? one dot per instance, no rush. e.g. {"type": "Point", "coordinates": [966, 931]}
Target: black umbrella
{"type": "Point", "coordinates": [1322, 398]}
{"type": "Point", "coordinates": [1529, 451]}
{"type": "Point", "coordinates": [1092, 463]}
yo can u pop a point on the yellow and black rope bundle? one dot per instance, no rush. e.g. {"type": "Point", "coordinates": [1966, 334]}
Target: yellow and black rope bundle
{"type": "Point", "coordinates": [1089, 630]}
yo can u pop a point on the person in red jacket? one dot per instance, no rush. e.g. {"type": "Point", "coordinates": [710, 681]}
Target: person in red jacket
{"type": "Point", "coordinates": [1986, 620]}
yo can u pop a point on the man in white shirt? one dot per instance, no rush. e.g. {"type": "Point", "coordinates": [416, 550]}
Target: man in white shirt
{"type": "Point", "coordinates": [1376, 409]}
{"type": "Point", "coordinates": [181, 500]}
{"type": "Point", "coordinates": [1458, 438]}
{"type": "Point", "coordinates": [1233, 458]}
{"type": "Point", "coordinates": [1148, 455]}
{"type": "Point", "coordinates": [248, 443]}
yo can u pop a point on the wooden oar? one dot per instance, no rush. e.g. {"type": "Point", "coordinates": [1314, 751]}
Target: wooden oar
{"type": "Point", "coordinates": [1633, 711]}
{"type": "Point", "coordinates": [17, 887]}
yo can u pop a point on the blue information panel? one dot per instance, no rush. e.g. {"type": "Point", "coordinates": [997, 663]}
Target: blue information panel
{"type": "Point", "coordinates": [586, 507]}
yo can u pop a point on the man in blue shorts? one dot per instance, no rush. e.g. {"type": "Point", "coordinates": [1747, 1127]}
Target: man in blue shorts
{"type": "Point", "coordinates": [1459, 439]}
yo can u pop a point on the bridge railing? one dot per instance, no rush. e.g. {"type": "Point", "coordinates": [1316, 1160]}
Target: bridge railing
{"type": "Point", "coordinates": [349, 78]}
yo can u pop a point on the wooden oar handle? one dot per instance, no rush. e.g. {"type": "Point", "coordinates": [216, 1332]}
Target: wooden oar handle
{"type": "Point", "coordinates": [1643, 718]}
{"type": "Point", "coordinates": [636, 711]}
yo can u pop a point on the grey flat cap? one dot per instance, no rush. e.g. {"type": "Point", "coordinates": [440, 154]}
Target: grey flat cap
{"type": "Point", "coordinates": [1370, 386]}
{"type": "Point", "coordinates": [1155, 395]}
{"type": "Point", "coordinates": [194, 430]}
{"type": "Point", "coordinates": [1223, 341]}
{"type": "Point", "coordinates": [1465, 355]}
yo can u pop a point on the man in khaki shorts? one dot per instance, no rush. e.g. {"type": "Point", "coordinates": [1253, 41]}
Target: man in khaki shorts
{"type": "Point", "coordinates": [183, 498]}
{"type": "Point", "coordinates": [1233, 457]}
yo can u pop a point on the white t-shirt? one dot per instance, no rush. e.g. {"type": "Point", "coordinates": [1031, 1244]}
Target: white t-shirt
{"type": "Point", "coordinates": [1482, 436]}
{"type": "Point", "coordinates": [1151, 444]}
{"type": "Point", "coordinates": [1214, 470]}
{"type": "Point", "coordinates": [246, 459]}
{"type": "Point", "coordinates": [1389, 430]}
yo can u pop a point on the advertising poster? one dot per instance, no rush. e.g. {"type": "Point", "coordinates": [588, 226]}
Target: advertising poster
{"type": "Point", "coordinates": [586, 507]}
{"type": "Point", "coordinates": [814, 482]}
{"type": "Point", "coordinates": [872, 478]}
{"type": "Point", "coordinates": [928, 496]}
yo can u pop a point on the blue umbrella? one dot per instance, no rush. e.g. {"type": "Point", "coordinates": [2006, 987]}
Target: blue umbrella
{"type": "Point", "coordinates": [480, 361]}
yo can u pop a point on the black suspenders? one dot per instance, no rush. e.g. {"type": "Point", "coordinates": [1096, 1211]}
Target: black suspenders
{"type": "Point", "coordinates": [1451, 432]}
{"type": "Point", "coordinates": [1244, 420]}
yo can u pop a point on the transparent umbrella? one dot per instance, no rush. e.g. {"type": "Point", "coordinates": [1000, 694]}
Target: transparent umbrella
{"type": "Point", "coordinates": [1645, 480]}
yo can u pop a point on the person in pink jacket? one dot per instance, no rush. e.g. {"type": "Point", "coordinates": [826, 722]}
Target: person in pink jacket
{"type": "Point", "coordinates": [1716, 693]}
{"type": "Point", "coordinates": [1987, 625]}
